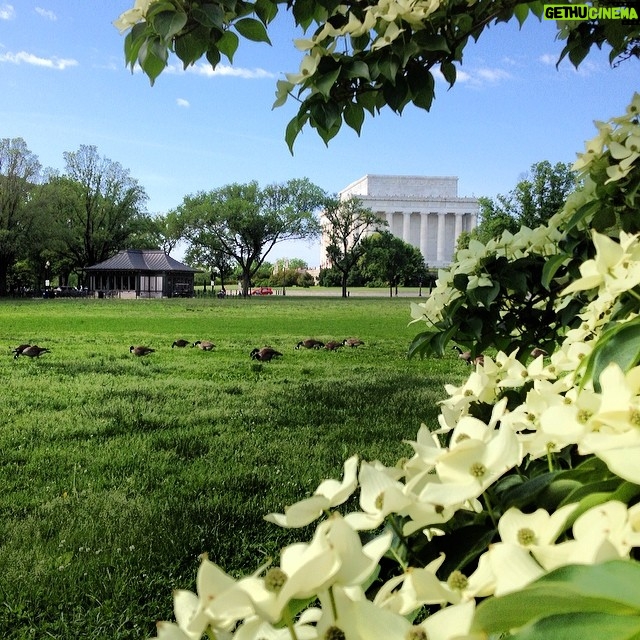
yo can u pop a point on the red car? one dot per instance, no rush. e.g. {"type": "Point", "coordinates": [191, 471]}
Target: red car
{"type": "Point", "coordinates": [262, 291]}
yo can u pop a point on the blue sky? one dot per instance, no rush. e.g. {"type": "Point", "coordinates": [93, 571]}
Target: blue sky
{"type": "Point", "coordinates": [63, 83]}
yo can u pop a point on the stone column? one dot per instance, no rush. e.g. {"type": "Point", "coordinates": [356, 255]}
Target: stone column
{"type": "Point", "coordinates": [424, 221]}
{"type": "Point", "coordinates": [406, 227]}
{"type": "Point", "coordinates": [458, 227]}
{"type": "Point", "coordinates": [441, 237]}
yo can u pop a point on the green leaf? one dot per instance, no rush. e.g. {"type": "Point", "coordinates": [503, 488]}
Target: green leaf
{"type": "Point", "coordinates": [266, 10]}
{"type": "Point", "coordinates": [294, 127]}
{"type": "Point", "coordinates": [303, 11]}
{"type": "Point", "coordinates": [368, 101]}
{"type": "Point", "coordinates": [521, 12]}
{"type": "Point", "coordinates": [133, 41]}
{"type": "Point", "coordinates": [153, 58]}
{"type": "Point", "coordinates": [325, 82]}
{"type": "Point", "coordinates": [551, 267]}
{"type": "Point", "coordinates": [619, 344]}
{"type": "Point", "coordinates": [169, 23]}
{"type": "Point", "coordinates": [449, 72]}
{"type": "Point", "coordinates": [526, 492]}
{"type": "Point", "coordinates": [209, 15]}
{"type": "Point", "coordinates": [356, 69]}
{"type": "Point", "coordinates": [420, 345]}
{"type": "Point", "coordinates": [537, 8]}
{"type": "Point", "coordinates": [611, 588]}
{"type": "Point", "coordinates": [432, 42]}
{"type": "Point", "coordinates": [213, 57]}
{"type": "Point", "coordinates": [586, 626]}
{"type": "Point", "coordinates": [354, 116]}
{"type": "Point", "coordinates": [252, 29]}
{"type": "Point", "coordinates": [228, 44]}
{"type": "Point", "coordinates": [192, 46]}
{"type": "Point", "coordinates": [577, 54]}
{"type": "Point", "coordinates": [583, 214]}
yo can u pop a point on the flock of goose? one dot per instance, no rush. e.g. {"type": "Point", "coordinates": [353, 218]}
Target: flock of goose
{"type": "Point", "coordinates": [265, 354]}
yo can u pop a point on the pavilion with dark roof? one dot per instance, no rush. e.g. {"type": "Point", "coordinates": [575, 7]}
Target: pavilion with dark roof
{"type": "Point", "coordinates": [141, 273]}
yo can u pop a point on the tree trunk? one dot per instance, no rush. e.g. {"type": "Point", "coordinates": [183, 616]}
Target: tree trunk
{"type": "Point", "coordinates": [344, 284]}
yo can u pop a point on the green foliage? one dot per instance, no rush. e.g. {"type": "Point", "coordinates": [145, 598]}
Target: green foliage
{"type": "Point", "coordinates": [570, 602]}
{"type": "Point", "coordinates": [391, 260]}
{"type": "Point", "coordinates": [240, 223]}
{"type": "Point", "coordinates": [533, 201]}
{"type": "Point", "coordinates": [357, 61]}
{"type": "Point", "coordinates": [345, 225]}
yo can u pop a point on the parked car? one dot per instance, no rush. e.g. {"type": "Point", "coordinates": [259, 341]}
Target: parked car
{"type": "Point", "coordinates": [262, 291]}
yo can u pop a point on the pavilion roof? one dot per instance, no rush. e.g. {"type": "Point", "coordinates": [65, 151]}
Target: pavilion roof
{"type": "Point", "coordinates": [141, 260]}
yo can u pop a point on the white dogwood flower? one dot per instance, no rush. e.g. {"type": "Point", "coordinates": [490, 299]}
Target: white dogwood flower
{"type": "Point", "coordinates": [330, 493]}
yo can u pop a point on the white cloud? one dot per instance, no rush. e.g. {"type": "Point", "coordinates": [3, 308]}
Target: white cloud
{"type": "Point", "coordinates": [493, 75]}
{"type": "Point", "coordinates": [7, 12]}
{"type": "Point", "coordinates": [204, 69]}
{"type": "Point", "coordinates": [548, 58]}
{"type": "Point", "coordinates": [44, 13]}
{"type": "Point", "coordinates": [181, 102]}
{"type": "Point", "coordinates": [29, 58]}
{"type": "Point", "coordinates": [482, 76]}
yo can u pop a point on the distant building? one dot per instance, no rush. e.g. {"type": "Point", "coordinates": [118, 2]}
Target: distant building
{"type": "Point", "coordinates": [141, 273]}
{"type": "Point", "coordinates": [424, 211]}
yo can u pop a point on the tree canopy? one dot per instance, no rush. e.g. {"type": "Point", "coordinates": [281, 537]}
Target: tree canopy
{"type": "Point", "coordinates": [358, 58]}
{"type": "Point", "coordinates": [345, 224]}
{"type": "Point", "coordinates": [244, 222]}
{"type": "Point", "coordinates": [533, 201]}
{"type": "Point", "coordinates": [19, 170]}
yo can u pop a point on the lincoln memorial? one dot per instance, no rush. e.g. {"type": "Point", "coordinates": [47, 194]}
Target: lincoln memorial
{"type": "Point", "coordinates": [424, 211]}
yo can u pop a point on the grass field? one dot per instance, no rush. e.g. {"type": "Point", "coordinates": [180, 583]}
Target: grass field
{"type": "Point", "coordinates": [118, 472]}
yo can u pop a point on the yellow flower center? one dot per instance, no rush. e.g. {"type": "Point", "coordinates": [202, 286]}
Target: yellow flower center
{"type": "Point", "coordinates": [457, 581]}
{"type": "Point", "coordinates": [526, 536]}
{"type": "Point", "coordinates": [584, 416]}
{"type": "Point", "coordinates": [478, 470]}
{"type": "Point", "coordinates": [634, 418]}
{"type": "Point", "coordinates": [274, 579]}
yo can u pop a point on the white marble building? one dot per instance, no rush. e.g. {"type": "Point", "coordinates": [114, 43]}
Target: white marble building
{"type": "Point", "coordinates": [424, 211]}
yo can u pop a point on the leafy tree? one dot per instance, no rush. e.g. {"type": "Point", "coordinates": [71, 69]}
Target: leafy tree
{"type": "Point", "coordinates": [168, 230]}
{"type": "Point", "coordinates": [359, 58]}
{"type": "Point", "coordinates": [19, 170]}
{"type": "Point", "coordinates": [391, 260]}
{"type": "Point", "coordinates": [537, 196]}
{"type": "Point", "coordinates": [100, 207]}
{"type": "Point", "coordinates": [244, 222]}
{"type": "Point", "coordinates": [345, 225]}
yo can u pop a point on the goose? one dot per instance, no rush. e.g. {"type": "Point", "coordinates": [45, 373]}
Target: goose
{"type": "Point", "coordinates": [310, 343]}
{"type": "Point", "coordinates": [537, 352]}
{"type": "Point", "coordinates": [205, 345]}
{"type": "Point", "coordinates": [332, 345]}
{"type": "Point", "coordinates": [265, 354]}
{"type": "Point", "coordinates": [141, 351]}
{"type": "Point", "coordinates": [466, 356]}
{"type": "Point", "coordinates": [180, 343]}
{"type": "Point", "coordinates": [19, 349]}
{"type": "Point", "coordinates": [352, 342]}
{"type": "Point", "coordinates": [32, 351]}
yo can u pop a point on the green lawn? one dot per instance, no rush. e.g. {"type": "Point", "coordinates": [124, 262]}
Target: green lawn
{"type": "Point", "coordinates": [118, 472]}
